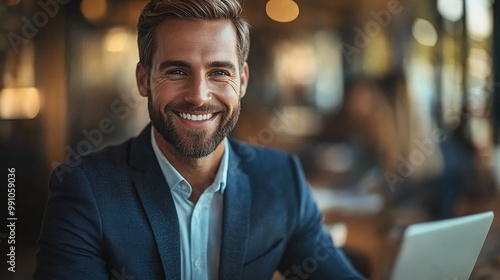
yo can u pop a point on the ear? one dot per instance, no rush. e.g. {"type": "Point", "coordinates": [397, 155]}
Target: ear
{"type": "Point", "coordinates": [244, 76]}
{"type": "Point", "coordinates": [141, 77]}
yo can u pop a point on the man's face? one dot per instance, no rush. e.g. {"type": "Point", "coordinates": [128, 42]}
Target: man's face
{"type": "Point", "coordinates": [195, 84]}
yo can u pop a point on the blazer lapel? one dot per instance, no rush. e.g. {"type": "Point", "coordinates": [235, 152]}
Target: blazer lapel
{"type": "Point", "coordinates": [236, 222]}
{"type": "Point", "coordinates": [158, 204]}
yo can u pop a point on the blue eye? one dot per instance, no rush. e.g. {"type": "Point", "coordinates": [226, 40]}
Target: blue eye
{"type": "Point", "coordinates": [176, 72]}
{"type": "Point", "coordinates": [220, 73]}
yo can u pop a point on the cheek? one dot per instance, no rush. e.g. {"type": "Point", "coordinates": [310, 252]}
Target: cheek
{"type": "Point", "coordinates": [156, 98]}
{"type": "Point", "coordinates": [230, 91]}
{"type": "Point", "coordinates": [230, 94]}
{"type": "Point", "coordinates": [163, 93]}
{"type": "Point", "coordinates": [235, 86]}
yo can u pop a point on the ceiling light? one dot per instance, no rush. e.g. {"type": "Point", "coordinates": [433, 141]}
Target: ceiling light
{"type": "Point", "coordinates": [282, 10]}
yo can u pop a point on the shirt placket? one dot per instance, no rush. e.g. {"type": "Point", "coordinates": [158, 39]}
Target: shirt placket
{"type": "Point", "coordinates": [199, 236]}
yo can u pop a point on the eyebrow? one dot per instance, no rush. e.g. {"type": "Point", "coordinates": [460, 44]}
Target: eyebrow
{"type": "Point", "coordinates": [223, 64]}
{"type": "Point", "coordinates": [172, 63]}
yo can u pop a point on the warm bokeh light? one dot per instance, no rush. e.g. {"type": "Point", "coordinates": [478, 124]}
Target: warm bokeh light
{"type": "Point", "coordinates": [295, 62]}
{"type": "Point", "coordinates": [116, 40]}
{"type": "Point", "coordinates": [338, 232]}
{"type": "Point", "coordinates": [451, 10]}
{"type": "Point", "coordinates": [480, 63]}
{"type": "Point", "coordinates": [19, 103]}
{"type": "Point", "coordinates": [282, 10]}
{"type": "Point", "coordinates": [479, 19]}
{"type": "Point", "coordinates": [424, 32]}
{"type": "Point", "coordinates": [93, 9]}
{"type": "Point", "coordinates": [480, 132]}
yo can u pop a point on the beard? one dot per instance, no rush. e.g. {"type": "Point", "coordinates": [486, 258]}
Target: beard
{"type": "Point", "coordinates": [192, 143]}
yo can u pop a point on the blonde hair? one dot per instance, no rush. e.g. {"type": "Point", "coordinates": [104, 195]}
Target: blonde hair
{"type": "Point", "coordinates": [156, 11]}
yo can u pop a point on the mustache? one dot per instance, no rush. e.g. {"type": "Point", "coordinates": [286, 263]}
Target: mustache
{"type": "Point", "coordinates": [188, 107]}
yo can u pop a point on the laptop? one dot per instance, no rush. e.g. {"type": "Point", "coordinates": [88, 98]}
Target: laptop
{"type": "Point", "coordinates": [442, 250]}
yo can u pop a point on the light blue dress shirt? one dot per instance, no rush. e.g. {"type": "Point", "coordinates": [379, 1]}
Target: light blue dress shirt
{"type": "Point", "coordinates": [200, 224]}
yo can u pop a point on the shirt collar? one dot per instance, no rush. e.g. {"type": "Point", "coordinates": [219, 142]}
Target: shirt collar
{"type": "Point", "coordinates": [174, 178]}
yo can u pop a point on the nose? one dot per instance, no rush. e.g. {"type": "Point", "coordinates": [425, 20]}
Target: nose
{"type": "Point", "coordinates": [199, 93]}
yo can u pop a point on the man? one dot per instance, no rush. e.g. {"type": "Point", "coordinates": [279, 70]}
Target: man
{"type": "Point", "coordinates": [181, 201]}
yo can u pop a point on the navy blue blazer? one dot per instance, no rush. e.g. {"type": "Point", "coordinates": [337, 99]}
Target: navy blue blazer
{"type": "Point", "coordinates": [111, 216]}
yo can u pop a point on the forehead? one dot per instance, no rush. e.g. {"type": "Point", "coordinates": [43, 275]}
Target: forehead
{"type": "Point", "coordinates": [191, 39]}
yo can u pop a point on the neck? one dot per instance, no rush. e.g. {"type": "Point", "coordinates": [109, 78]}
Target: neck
{"type": "Point", "coordinates": [199, 172]}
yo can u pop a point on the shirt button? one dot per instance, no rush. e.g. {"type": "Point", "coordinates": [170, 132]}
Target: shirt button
{"type": "Point", "coordinates": [184, 186]}
{"type": "Point", "coordinates": [197, 263]}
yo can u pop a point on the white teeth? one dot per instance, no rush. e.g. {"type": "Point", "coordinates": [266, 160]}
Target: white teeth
{"type": "Point", "coordinates": [195, 117]}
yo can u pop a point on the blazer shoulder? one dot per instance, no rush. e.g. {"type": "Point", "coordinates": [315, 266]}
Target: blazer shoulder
{"type": "Point", "coordinates": [105, 160]}
{"type": "Point", "coordinates": [261, 157]}
{"type": "Point", "coordinates": [265, 161]}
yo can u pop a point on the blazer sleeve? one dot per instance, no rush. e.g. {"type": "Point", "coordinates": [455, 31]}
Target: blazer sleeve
{"type": "Point", "coordinates": [310, 253]}
{"type": "Point", "coordinates": [70, 237]}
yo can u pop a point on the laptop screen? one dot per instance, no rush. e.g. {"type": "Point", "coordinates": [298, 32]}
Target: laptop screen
{"type": "Point", "coordinates": [442, 250]}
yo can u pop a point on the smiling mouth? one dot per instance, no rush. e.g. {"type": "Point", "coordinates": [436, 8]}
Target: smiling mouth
{"type": "Point", "coordinates": [193, 117]}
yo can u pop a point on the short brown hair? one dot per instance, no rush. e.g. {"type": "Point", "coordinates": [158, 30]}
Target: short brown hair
{"type": "Point", "coordinates": [156, 11]}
